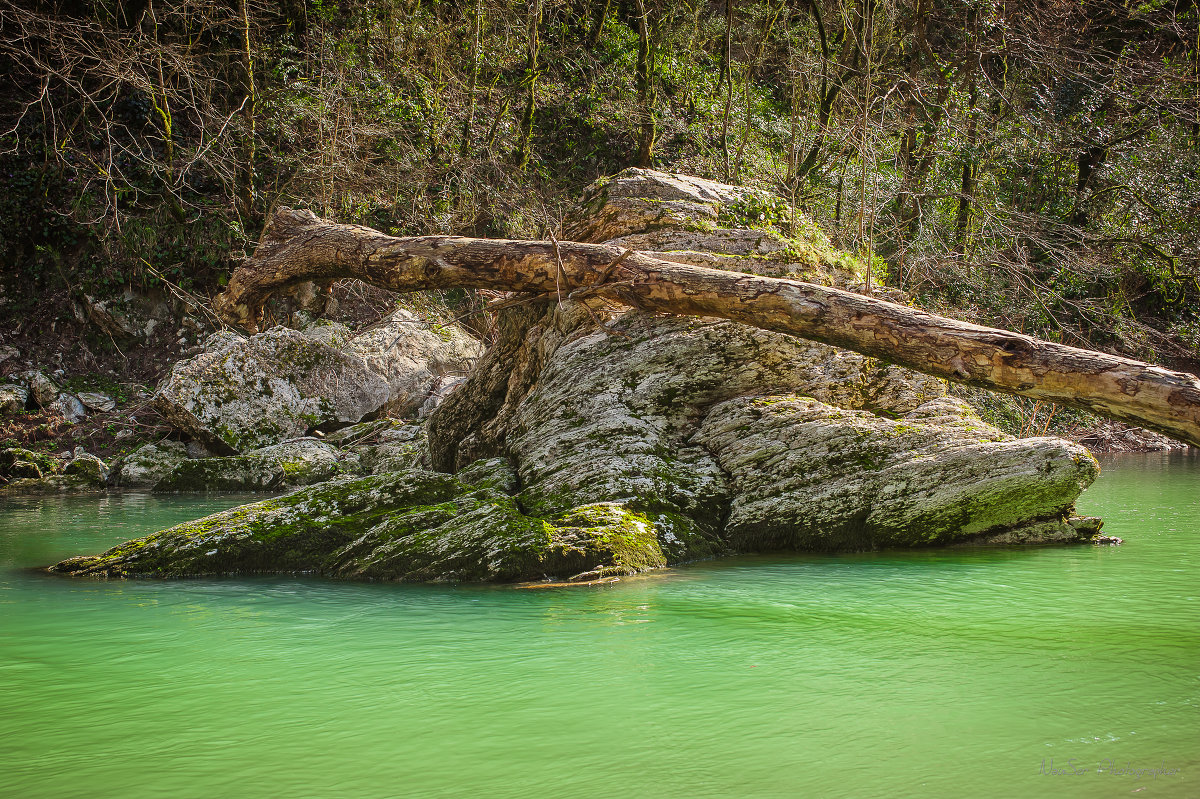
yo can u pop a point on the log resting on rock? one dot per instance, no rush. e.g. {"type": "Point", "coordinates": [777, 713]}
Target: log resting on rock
{"type": "Point", "coordinates": [298, 246]}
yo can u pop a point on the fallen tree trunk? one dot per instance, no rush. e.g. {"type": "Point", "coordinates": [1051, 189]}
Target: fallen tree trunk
{"type": "Point", "coordinates": [298, 246]}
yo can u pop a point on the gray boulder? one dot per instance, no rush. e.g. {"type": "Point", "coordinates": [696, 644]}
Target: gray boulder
{"type": "Point", "coordinates": [69, 407]}
{"type": "Point", "coordinates": [415, 358]}
{"type": "Point", "coordinates": [241, 394]}
{"type": "Point", "coordinates": [95, 401]}
{"type": "Point", "coordinates": [808, 476]}
{"type": "Point", "coordinates": [146, 466]}
{"type": "Point", "coordinates": [42, 389]}
{"type": "Point", "coordinates": [12, 399]}
{"type": "Point", "coordinates": [293, 463]}
{"type": "Point", "coordinates": [394, 449]}
{"type": "Point", "coordinates": [88, 467]}
{"type": "Point", "coordinates": [639, 200]}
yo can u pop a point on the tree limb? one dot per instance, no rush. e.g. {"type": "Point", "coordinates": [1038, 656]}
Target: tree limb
{"type": "Point", "coordinates": [298, 246]}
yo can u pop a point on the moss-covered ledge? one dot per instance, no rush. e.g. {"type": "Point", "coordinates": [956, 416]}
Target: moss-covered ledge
{"type": "Point", "coordinates": [413, 525]}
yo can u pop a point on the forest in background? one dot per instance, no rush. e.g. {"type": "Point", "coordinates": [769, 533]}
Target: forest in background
{"type": "Point", "coordinates": [1032, 166]}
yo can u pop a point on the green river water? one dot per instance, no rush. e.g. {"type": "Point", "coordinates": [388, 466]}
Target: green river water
{"type": "Point", "coordinates": [1062, 672]}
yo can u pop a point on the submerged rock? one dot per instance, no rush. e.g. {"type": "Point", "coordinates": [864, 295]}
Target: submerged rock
{"type": "Point", "coordinates": [413, 525]}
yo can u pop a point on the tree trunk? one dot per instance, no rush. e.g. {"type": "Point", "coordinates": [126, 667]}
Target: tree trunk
{"type": "Point", "coordinates": [645, 89]}
{"type": "Point", "coordinates": [298, 246]}
{"type": "Point", "coordinates": [464, 146]}
{"type": "Point", "coordinates": [245, 180]}
{"type": "Point", "coordinates": [531, 72]}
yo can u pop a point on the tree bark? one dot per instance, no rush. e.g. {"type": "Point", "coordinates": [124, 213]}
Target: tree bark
{"type": "Point", "coordinates": [298, 246]}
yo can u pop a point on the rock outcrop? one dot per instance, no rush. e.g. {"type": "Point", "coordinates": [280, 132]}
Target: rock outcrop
{"type": "Point", "coordinates": [241, 394]}
{"type": "Point", "coordinates": [147, 465]}
{"type": "Point", "coordinates": [809, 476]}
{"type": "Point", "coordinates": [591, 441]}
{"type": "Point", "coordinates": [410, 525]}
{"type": "Point", "coordinates": [414, 357]}
{"type": "Point", "coordinates": [301, 462]}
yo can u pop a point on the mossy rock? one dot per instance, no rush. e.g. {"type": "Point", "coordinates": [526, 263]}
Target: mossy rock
{"type": "Point", "coordinates": [407, 526]}
{"type": "Point", "coordinates": [16, 462]}
{"type": "Point", "coordinates": [88, 468]}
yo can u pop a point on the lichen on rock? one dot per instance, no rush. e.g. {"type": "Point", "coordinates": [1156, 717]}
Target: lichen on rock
{"type": "Point", "coordinates": [147, 465]}
{"type": "Point", "coordinates": [241, 394]}
{"type": "Point", "coordinates": [591, 441]}
{"type": "Point", "coordinates": [414, 357]}
{"type": "Point", "coordinates": [808, 476]}
{"type": "Point", "coordinates": [299, 462]}
{"type": "Point", "coordinates": [404, 526]}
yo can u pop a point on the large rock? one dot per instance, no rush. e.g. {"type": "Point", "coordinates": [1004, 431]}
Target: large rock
{"type": "Point", "coordinates": [701, 222]}
{"type": "Point", "coordinates": [147, 465]}
{"type": "Point", "coordinates": [241, 394]}
{"type": "Point", "coordinates": [95, 401]}
{"type": "Point", "coordinates": [88, 468]}
{"type": "Point", "coordinates": [69, 407]}
{"type": "Point", "coordinates": [293, 463]}
{"type": "Point", "coordinates": [808, 476]}
{"type": "Point", "coordinates": [589, 443]}
{"type": "Point", "coordinates": [413, 525]}
{"type": "Point", "coordinates": [639, 200]}
{"type": "Point", "coordinates": [42, 390]}
{"type": "Point", "coordinates": [415, 358]}
{"type": "Point", "coordinates": [12, 399]}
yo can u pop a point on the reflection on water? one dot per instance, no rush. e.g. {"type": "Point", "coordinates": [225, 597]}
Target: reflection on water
{"type": "Point", "coordinates": [934, 673]}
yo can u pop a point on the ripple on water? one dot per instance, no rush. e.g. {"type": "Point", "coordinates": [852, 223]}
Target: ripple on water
{"type": "Point", "coordinates": [937, 673]}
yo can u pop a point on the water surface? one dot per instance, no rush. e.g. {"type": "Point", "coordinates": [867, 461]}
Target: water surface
{"type": "Point", "coordinates": [936, 673]}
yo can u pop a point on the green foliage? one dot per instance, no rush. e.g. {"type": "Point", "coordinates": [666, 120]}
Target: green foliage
{"type": "Point", "coordinates": [1073, 128]}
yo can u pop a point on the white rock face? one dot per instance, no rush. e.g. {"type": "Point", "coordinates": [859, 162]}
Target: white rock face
{"type": "Point", "coordinates": [611, 414]}
{"type": "Point", "coordinates": [809, 476]}
{"type": "Point", "coordinates": [95, 401]}
{"type": "Point", "coordinates": [241, 394]}
{"type": "Point", "coordinates": [145, 467]}
{"type": "Point", "coordinates": [42, 389]}
{"type": "Point", "coordinates": [12, 399]}
{"type": "Point", "coordinates": [415, 359]}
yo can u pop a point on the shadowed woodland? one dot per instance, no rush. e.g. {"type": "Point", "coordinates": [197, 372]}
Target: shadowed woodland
{"type": "Point", "coordinates": [1031, 166]}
